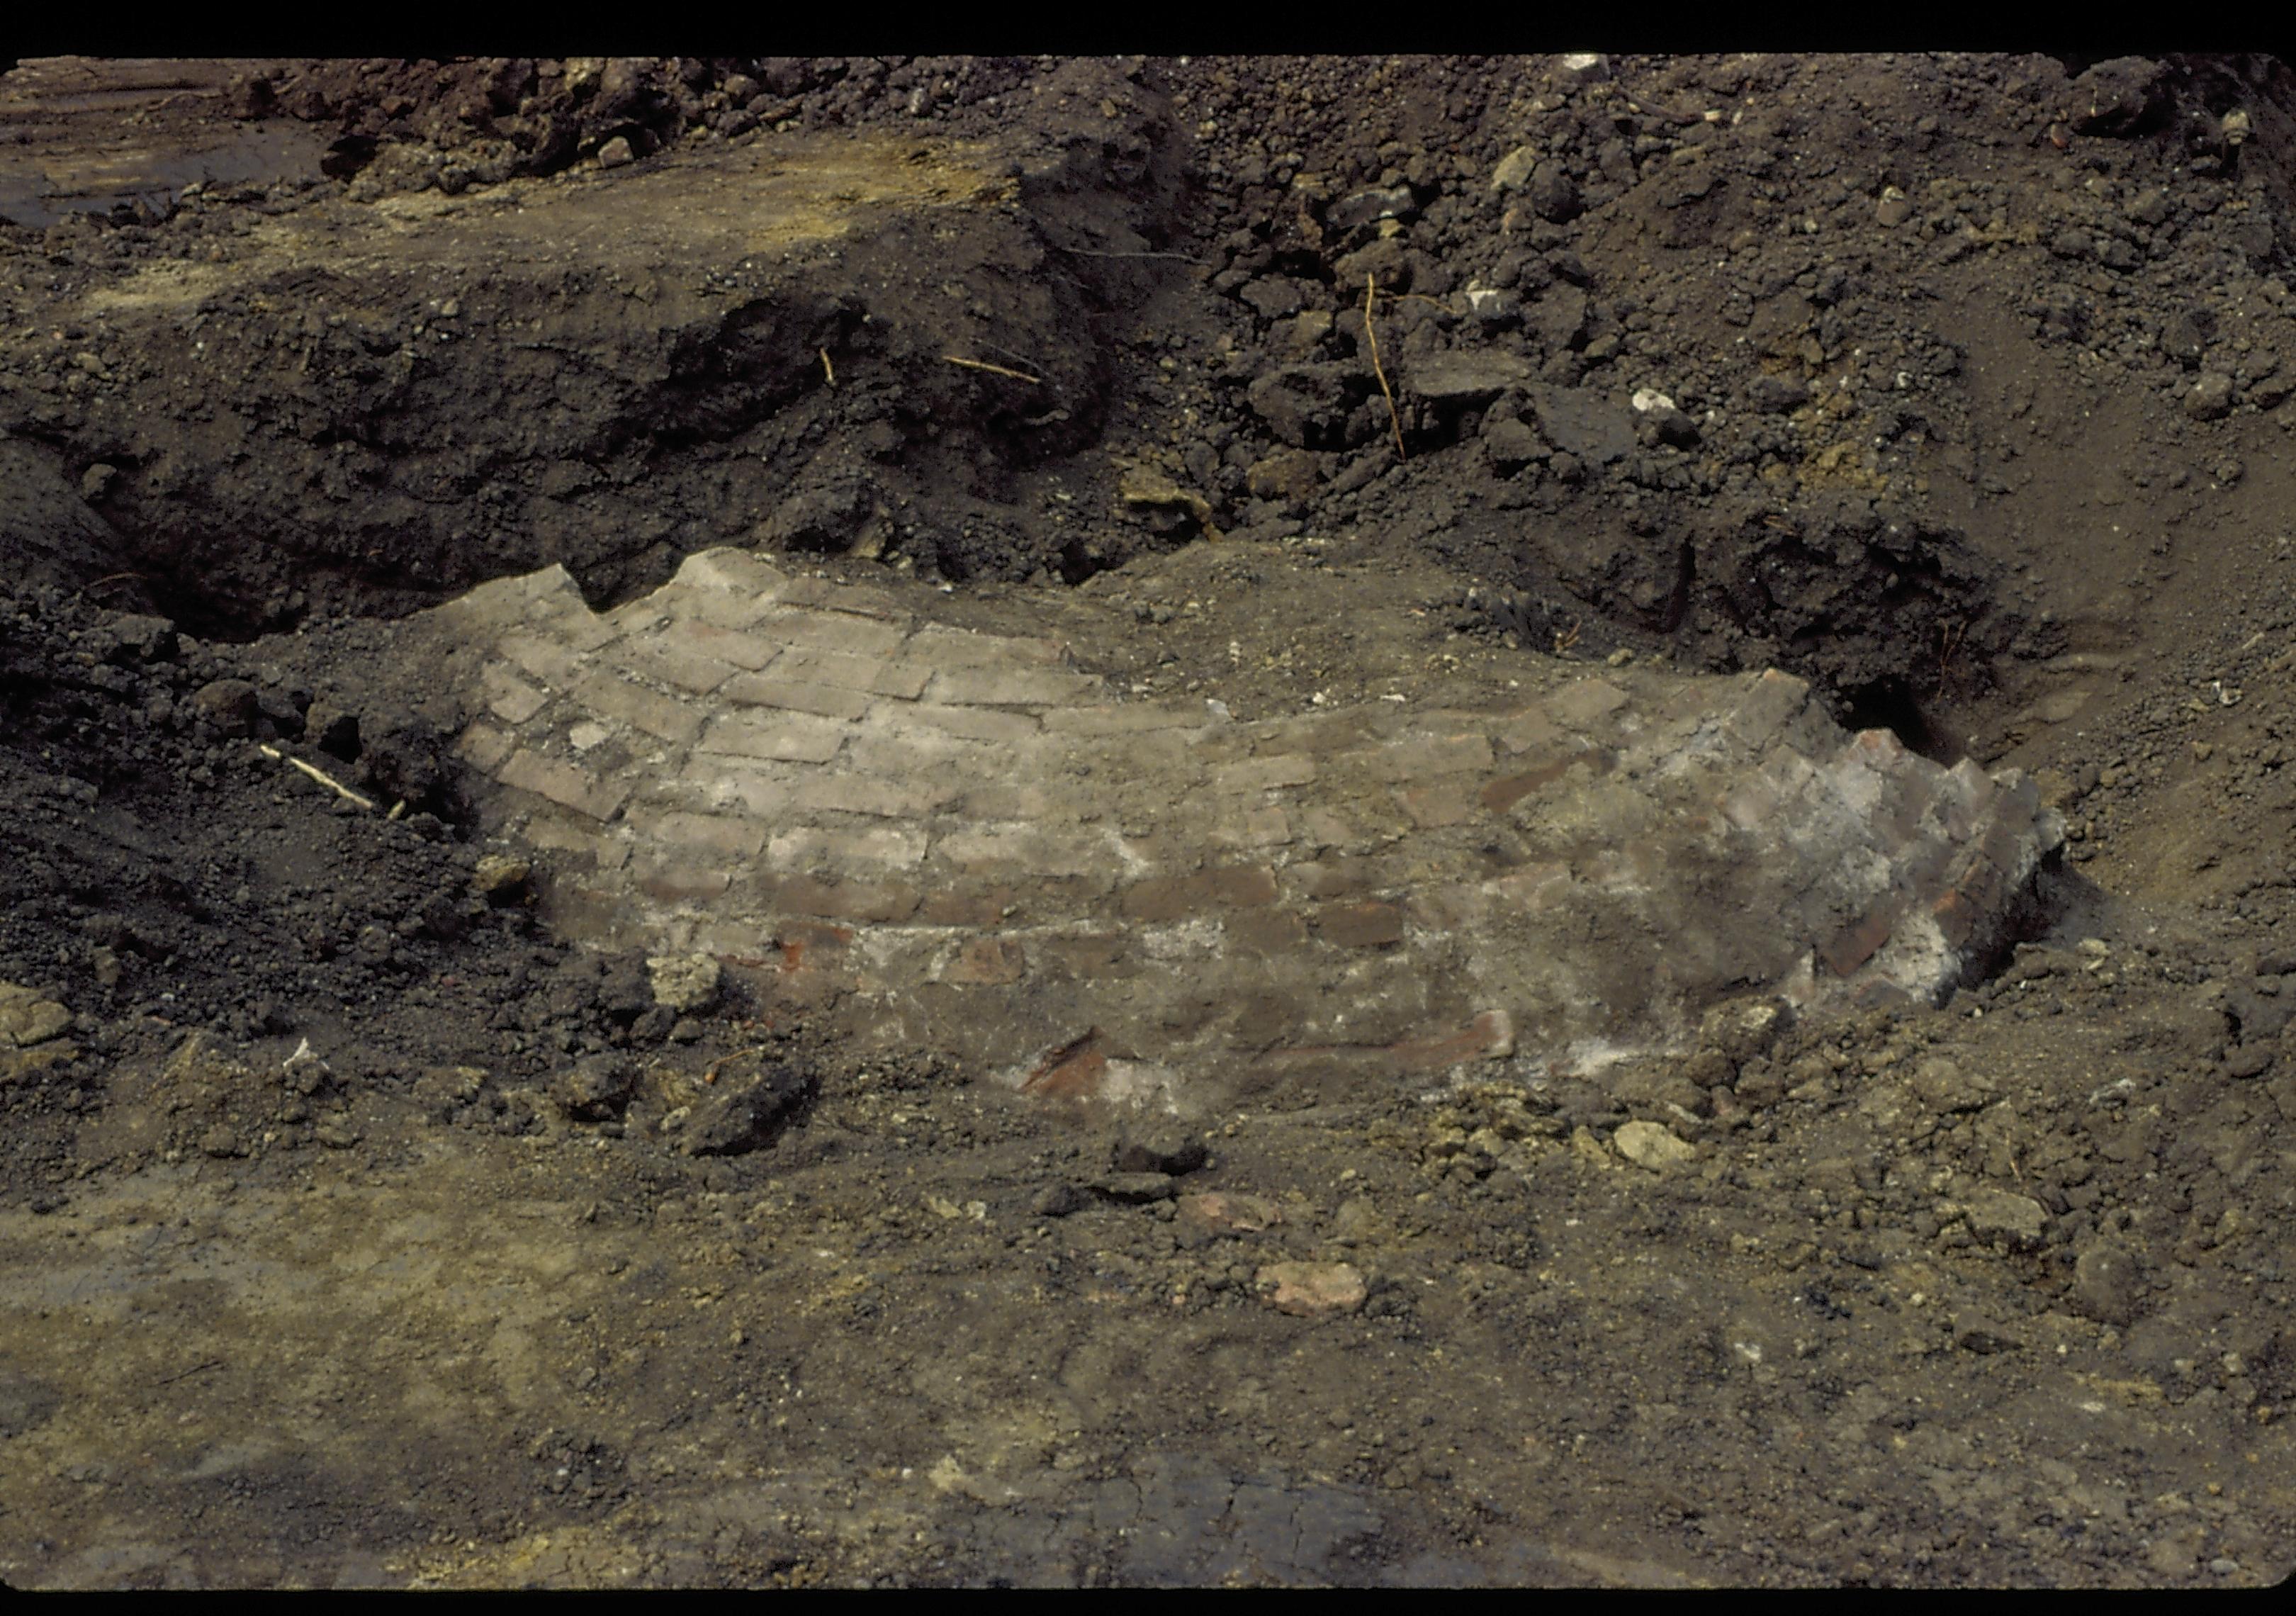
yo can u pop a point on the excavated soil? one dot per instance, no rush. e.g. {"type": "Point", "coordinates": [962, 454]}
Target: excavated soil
{"type": "Point", "coordinates": [363, 1224]}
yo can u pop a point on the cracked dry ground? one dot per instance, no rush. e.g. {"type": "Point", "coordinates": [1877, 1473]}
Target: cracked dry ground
{"type": "Point", "coordinates": [652, 937]}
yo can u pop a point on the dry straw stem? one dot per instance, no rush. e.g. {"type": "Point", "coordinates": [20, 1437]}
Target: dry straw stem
{"type": "Point", "coordinates": [1371, 291]}
{"type": "Point", "coordinates": [327, 780]}
{"type": "Point", "coordinates": [998, 370]}
{"type": "Point", "coordinates": [827, 369]}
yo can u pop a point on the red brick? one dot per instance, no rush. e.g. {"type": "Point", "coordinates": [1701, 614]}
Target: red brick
{"type": "Point", "coordinates": [1073, 1071]}
{"type": "Point", "coordinates": [993, 961]}
{"type": "Point", "coordinates": [1489, 1037]}
{"type": "Point", "coordinates": [1368, 925]}
{"type": "Point", "coordinates": [1175, 897]}
{"type": "Point", "coordinates": [1859, 941]}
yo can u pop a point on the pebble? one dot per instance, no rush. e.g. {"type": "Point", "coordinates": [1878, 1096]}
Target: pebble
{"type": "Point", "coordinates": [735, 1124]}
{"type": "Point", "coordinates": [1312, 1289]}
{"type": "Point", "coordinates": [1228, 1212]}
{"type": "Point", "coordinates": [685, 983]}
{"type": "Point", "coordinates": [1651, 1144]}
{"type": "Point", "coordinates": [27, 1017]}
{"type": "Point", "coordinates": [615, 152]}
{"type": "Point", "coordinates": [1998, 1215]}
{"type": "Point", "coordinates": [2210, 399]}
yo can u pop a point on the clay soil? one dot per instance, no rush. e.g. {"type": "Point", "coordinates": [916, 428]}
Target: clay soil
{"type": "Point", "coordinates": [1963, 391]}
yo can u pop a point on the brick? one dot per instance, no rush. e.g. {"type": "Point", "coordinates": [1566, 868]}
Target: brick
{"type": "Point", "coordinates": [881, 903]}
{"type": "Point", "coordinates": [900, 677]}
{"type": "Point", "coordinates": [1361, 925]}
{"type": "Point", "coordinates": [1772, 701]}
{"type": "Point", "coordinates": [702, 637]}
{"type": "Point", "coordinates": [711, 833]}
{"type": "Point", "coordinates": [857, 599]}
{"type": "Point", "coordinates": [1041, 849]}
{"type": "Point", "coordinates": [1439, 802]}
{"type": "Point", "coordinates": [570, 623]}
{"type": "Point", "coordinates": [848, 794]}
{"type": "Point", "coordinates": [501, 602]}
{"type": "Point", "coordinates": [1859, 941]}
{"type": "Point", "coordinates": [1257, 827]}
{"type": "Point", "coordinates": [484, 747]}
{"type": "Point", "coordinates": [1586, 701]}
{"type": "Point", "coordinates": [1120, 718]}
{"type": "Point", "coordinates": [613, 697]}
{"type": "Point", "coordinates": [1489, 1037]}
{"type": "Point", "coordinates": [793, 695]}
{"type": "Point", "coordinates": [669, 878]}
{"type": "Point", "coordinates": [1316, 733]}
{"type": "Point", "coordinates": [1002, 800]}
{"type": "Point", "coordinates": [1012, 687]}
{"type": "Point", "coordinates": [1271, 931]}
{"type": "Point", "coordinates": [1264, 773]}
{"type": "Point", "coordinates": [1071, 1071]}
{"type": "Point", "coordinates": [828, 631]}
{"type": "Point", "coordinates": [810, 847]}
{"type": "Point", "coordinates": [961, 907]}
{"type": "Point", "coordinates": [1177, 897]}
{"type": "Point", "coordinates": [1503, 794]}
{"type": "Point", "coordinates": [564, 784]}
{"type": "Point", "coordinates": [988, 960]}
{"type": "Point", "coordinates": [949, 647]}
{"type": "Point", "coordinates": [545, 660]}
{"type": "Point", "coordinates": [729, 571]}
{"type": "Point", "coordinates": [508, 697]}
{"type": "Point", "coordinates": [763, 788]}
{"type": "Point", "coordinates": [789, 737]}
{"type": "Point", "coordinates": [1415, 757]}
{"type": "Point", "coordinates": [1449, 906]}
{"type": "Point", "coordinates": [556, 833]}
{"type": "Point", "coordinates": [654, 658]}
{"type": "Point", "coordinates": [931, 719]}
{"type": "Point", "coordinates": [1102, 954]}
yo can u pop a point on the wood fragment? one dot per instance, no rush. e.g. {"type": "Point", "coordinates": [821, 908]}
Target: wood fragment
{"type": "Point", "coordinates": [323, 778]}
{"type": "Point", "coordinates": [995, 369]}
{"type": "Point", "coordinates": [827, 369]}
{"type": "Point", "coordinates": [1371, 291]}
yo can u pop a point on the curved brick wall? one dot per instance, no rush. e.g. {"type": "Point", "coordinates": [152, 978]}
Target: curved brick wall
{"type": "Point", "coordinates": [966, 841]}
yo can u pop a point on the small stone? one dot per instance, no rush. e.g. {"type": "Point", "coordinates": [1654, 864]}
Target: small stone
{"type": "Point", "coordinates": [1312, 1289]}
{"type": "Point", "coordinates": [27, 1019]}
{"type": "Point", "coordinates": [1173, 1154]}
{"type": "Point", "coordinates": [1289, 475]}
{"type": "Point", "coordinates": [1651, 1144]}
{"type": "Point", "coordinates": [219, 1141]}
{"type": "Point", "coordinates": [1131, 1188]}
{"type": "Point", "coordinates": [615, 152]}
{"type": "Point", "coordinates": [598, 1088]}
{"type": "Point", "coordinates": [686, 983]}
{"type": "Point", "coordinates": [2106, 1281]}
{"type": "Point", "coordinates": [1977, 1333]}
{"type": "Point", "coordinates": [735, 1124]}
{"type": "Point", "coordinates": [1893, 210]}
{"type": "Point", "coordinates": [137, 637]}
{"type": "Point", "coordinates": [96, 482]}
{"type": "Point", "coordinates": [1776, 395]}
{"type": "Point", "coordinates": [336, 1134]}
{"type": "Point", "coordinates": [2210, 399]}
{"type": "Point", "coordinates": [1058, 1201]}
{"type": "Point", "coordinates": [500, 877]}
{"type": "Point", "coordinates": [1514, 171]}
{"type": "Point", "coordinates": [1998, 1215]}
{"type": "Point", "coordinates": [1510, 444]}
{"type": "Point", "coordinates": [1228, 1212]}
{"type": "Point", "coordinates": [231, 705]}
{"type": "Point", "coordinates": [1553, 192]}
{"type": "Point", "coordinates": [1944, 1087]}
